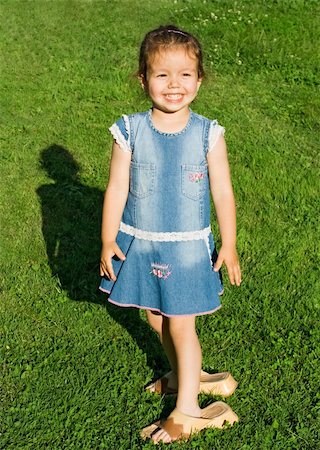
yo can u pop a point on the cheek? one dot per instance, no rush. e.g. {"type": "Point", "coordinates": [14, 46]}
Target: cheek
{"type": "Point", "coordinates": [193, 87]}
{"type": "Point", "coordinates": [152, 92]}
{"type": "Point", "coordinates": [153, 88]}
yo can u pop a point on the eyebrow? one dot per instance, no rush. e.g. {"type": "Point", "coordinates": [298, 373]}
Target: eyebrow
{"type": "Point", "coordinates": [185, 69]}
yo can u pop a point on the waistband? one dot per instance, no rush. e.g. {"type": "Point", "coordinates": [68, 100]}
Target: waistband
{"type": "Point", "coordinates": [165, 236]}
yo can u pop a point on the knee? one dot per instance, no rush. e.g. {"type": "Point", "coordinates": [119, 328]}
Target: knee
{"type": "Point", "coordinates": [181, 327]}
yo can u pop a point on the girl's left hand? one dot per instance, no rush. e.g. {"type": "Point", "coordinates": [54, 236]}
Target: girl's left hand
{"type": "Point", "coordinates": [229, 257]}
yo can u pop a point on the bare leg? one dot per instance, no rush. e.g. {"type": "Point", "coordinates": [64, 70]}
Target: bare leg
{"type": "Point", "coordinates": [155, 321]}
{"type": "Point", "coordinates": [188, 352]}
{"type": "Point", "coordinates": [158, 324]}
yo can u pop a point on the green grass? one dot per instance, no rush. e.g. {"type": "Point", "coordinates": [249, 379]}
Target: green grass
{"type": "Point", "coordinates": [72, 366]}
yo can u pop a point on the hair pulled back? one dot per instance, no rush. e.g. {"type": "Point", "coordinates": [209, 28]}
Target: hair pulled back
{"type": "Point", "coordinates": [163, 38]}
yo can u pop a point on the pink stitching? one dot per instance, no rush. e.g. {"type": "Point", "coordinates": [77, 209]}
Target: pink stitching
{"type": "Point", "coordinates": [128, 305]}
{"type": "Point", "coordinates": [196, 177]}
{"type": "Point", "coordinates": [160, 270]}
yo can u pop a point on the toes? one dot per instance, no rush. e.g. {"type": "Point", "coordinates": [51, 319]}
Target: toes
{"type": "Point", "coordinates": [161, 435]}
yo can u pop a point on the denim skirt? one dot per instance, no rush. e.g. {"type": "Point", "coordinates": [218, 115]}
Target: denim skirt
{"type": "Point", "coordinates": [174, 278]}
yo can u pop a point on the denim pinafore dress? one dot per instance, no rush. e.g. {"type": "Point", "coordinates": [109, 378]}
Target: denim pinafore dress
{"type": "Point", "coordinates": [165, 228]}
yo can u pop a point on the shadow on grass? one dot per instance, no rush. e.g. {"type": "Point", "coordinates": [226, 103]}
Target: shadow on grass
{"type": "Point", "coordinates": [71, 222]}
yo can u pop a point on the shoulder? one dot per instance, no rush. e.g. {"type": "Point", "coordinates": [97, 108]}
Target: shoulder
{"type": "Point", "coordinates": [136, 120]}
{"type": "Point", "coordinates": [131, 117]}
{"type": "Point", "coordinates": [211, 131]}
{"type": "Point", "coordinates": [198, 118]}
{"type": "Point", "coordinates": [205, 120]}
{"type": "Point", "coordinates": [123, 130]}
{"type": "Point", "coordinates": [215, 131]}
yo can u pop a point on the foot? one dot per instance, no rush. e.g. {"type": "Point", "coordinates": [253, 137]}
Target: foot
{"type": "Point", "coordinates": [161, 435]}
{"type": "Point", "coordinates": [179, 426]}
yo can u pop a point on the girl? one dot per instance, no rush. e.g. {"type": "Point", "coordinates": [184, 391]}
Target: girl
{"type": "Point", "coordinates": [157, 246]}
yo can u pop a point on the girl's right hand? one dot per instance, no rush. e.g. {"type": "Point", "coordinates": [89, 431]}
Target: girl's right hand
{"type": "Point", "coordinates": [109, 250]}
{"type": "Point", "coordinates": [229, 257]}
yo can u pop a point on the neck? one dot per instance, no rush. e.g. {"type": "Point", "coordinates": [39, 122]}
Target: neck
{"type": "Point", "coordinates": [170, 122]}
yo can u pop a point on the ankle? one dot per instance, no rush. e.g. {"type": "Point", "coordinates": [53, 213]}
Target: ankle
{"type": "Point", "coordinates": [193, 411]}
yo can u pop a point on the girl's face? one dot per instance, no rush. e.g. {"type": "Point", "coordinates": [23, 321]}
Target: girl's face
{"type": "Point", "coordinates": [172, 80]}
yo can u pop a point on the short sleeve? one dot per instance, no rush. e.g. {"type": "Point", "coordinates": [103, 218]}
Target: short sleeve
{"type": "Point", "coordinates": [120, 131]}
{"type": "Point", "coordinates": [215, 131]}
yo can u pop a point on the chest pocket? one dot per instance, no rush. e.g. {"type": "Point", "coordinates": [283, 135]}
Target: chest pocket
{"type": "Point", "coordinates": [142, 179]}
{"type": "Point", "coordinates": [194, 181]}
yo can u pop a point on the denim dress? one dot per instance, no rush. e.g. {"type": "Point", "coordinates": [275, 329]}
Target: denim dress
{"type": "Point", "coordinates": [165, 228]}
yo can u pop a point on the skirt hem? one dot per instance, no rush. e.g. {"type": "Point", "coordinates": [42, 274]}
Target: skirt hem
{"type": "Point", "coordinates": [104, 290]}
{"type": "Point", "coordinates": [128, 305]}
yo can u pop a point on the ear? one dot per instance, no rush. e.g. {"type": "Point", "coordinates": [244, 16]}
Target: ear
{"type": "Point", "coordinates": [199, 83]}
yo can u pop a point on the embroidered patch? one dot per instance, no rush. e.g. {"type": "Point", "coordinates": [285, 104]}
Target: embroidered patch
{"type": "Point", "coordinates": [161, 270]}
{"type": "Point", "coordinates": [196, 177]}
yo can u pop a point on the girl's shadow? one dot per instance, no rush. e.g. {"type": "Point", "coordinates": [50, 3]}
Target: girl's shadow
{"type": "Point", "coordinates": [71, 222]}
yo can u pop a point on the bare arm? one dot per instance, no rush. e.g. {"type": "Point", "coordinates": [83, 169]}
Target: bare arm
{"type": "Point", "coordinates": [223, 198]}
{"type": "Point", "coordinates": [114, 202]}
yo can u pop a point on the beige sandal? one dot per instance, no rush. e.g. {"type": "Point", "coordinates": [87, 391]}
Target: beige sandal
{"type": "Point", "coordinates": [179, 426]}
{"type": "Point", "coordinates": [215, 384]}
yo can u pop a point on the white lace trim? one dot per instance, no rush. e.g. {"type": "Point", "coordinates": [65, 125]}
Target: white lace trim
{"type": "Point", "coordinates": [119, 138]}
{"type": "Point", "coordinates": [208, 248]}
{"type": "Point", "coordinates": [174, 236]}
{"type": "Point", "coordinates": [127, 125]}
{"type": "Point", "coordinates": [171, 236]}
{"type": "Point", "coordinates": [215, 132]}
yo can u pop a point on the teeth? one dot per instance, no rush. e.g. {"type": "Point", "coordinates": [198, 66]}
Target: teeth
{"type": "Point", "coordinates": [174, 96]}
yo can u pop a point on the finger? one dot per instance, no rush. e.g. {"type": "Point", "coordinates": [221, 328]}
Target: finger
{"type": "Point", "coordinates": [119, 253]}
{"type": "Point", "coordinates": [107, 270]}
{"type": "Point", "coordinates": [110, 271]}
{"type": "Point", "coordinates": [238, 276]}
{"type": "Point", "coordinates": [231, 275]}
{"type": "Point", "coordinates": [218, 264]}
{"type": "Point", "coordinates": [103, 270]}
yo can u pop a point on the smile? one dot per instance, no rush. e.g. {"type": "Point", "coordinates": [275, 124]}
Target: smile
{"type": "Point", "coordinates": [173, 96]}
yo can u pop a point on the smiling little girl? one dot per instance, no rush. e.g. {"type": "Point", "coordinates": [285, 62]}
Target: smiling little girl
{"type": "Point", "coordinates": [157, 245]}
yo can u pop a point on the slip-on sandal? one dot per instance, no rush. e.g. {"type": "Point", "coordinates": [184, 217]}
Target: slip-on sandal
{"type": "Point", "coordinates": [215, 384]}
{"type": "Point", "coordinates": [179, 426]}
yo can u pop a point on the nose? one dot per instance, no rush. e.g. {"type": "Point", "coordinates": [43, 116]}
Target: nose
{"type": "Point", "coordinates": [173, 82]}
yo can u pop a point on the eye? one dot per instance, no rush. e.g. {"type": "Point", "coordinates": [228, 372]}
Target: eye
{"type": "Point", "coordinates": [187, 74]}
{"type": "Point", "coordinates": [161, 75]}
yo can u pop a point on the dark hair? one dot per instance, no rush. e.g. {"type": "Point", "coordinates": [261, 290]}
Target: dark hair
{"type": "Point", "coordinates": [163, 38]}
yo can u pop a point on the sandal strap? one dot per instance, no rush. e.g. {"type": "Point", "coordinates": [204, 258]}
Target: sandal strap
{"type": "Point", "coordinates": [161, 386]}
{"type": "Point", "coordinates": [174, 429]}
{"type": "Point", "coordinates": [179, 425]}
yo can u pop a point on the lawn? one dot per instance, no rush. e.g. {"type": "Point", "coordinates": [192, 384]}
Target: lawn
{"type": "Point", "coordinates": [73, 367]}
